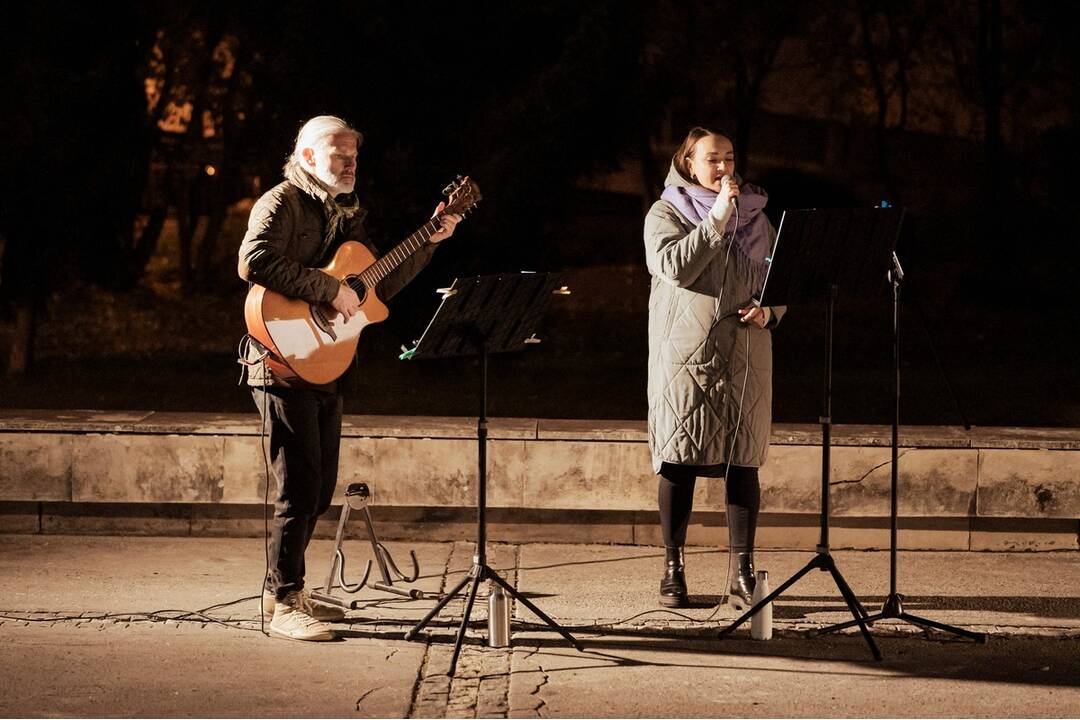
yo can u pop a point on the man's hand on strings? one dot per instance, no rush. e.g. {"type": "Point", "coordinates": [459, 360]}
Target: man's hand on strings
{"type": "Point", "coordinates": [346, 302]}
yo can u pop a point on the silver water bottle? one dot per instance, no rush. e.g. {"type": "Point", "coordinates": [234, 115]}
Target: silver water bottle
{"type": "Point", "coordinates": [761, 622]}
{"type": "Point", "coordinates": [498, 617]}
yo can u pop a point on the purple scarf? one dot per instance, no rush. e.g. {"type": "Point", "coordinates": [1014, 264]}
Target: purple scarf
{"type": "Point", "coordinates": [751, 244]}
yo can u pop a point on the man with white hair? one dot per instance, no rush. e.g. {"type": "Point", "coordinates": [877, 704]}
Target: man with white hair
{"type": "Point", "coordinates": [294, 229]}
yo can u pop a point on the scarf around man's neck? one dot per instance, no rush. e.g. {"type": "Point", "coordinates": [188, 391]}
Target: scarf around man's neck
{"type": "Point", "coordinates": [338, 209]}
{"type": "Point", "coordinates": [752, 242]}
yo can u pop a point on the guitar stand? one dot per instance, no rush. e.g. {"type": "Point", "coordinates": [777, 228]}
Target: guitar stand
{"type": "Point", "coordinates": [357, 497]}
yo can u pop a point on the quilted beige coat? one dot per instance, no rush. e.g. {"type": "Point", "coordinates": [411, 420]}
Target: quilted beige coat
{"type": "Point", "coordinates": [710, 375]}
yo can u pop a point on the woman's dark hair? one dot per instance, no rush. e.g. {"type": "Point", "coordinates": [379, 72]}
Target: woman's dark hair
{"type": "Point", "coordinates": [682, 155]}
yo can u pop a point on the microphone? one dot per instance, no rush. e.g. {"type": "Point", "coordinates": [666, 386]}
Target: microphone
{"type": "Point", "coordinates": [734, 200]}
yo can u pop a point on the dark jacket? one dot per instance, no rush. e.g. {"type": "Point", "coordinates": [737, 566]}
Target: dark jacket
{"type": "Point", "coordinates": [284, 246]}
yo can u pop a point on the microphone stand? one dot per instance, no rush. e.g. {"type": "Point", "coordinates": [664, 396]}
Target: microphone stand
{"type": "Point", "coordinates": [893, 608]}
{"type": "Point", "coordinates": [823, 559]}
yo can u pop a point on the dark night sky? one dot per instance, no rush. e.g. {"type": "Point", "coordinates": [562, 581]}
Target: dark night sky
{"type": "Point", "coordinates": [963, 110]}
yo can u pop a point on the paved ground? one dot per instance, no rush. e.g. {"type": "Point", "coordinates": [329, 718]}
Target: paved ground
{"type": "Point", "coordinates": [80, 639]}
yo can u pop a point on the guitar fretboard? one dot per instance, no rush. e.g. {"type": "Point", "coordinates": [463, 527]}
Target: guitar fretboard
{"type": "Point", "coordinates": [385, 265]}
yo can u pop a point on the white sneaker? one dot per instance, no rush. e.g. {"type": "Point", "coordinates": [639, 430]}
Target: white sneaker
{"type": "Point", "coordinates": [322, 611]}
{"type": "Point", "coordinates": [292, 621]}
{"type": "Point", "coordinates": [267, 604]}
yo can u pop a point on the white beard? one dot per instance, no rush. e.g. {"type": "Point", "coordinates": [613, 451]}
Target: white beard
{"type": "Point", "coordinates": [335, 184]}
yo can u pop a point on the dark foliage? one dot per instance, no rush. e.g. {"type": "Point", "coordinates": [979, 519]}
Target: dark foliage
{"type": "Point", "coordinates": [532, 98]}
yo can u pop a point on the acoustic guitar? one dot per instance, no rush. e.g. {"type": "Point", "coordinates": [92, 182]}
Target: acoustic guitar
{"type": "Point", "coordinates": [314, 342]}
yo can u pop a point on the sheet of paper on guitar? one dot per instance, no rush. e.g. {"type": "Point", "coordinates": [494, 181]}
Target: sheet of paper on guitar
{"type": "Point", "coordinates": [304, 338]}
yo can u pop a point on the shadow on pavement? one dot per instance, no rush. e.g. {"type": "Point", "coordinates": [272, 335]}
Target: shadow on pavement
{"type": "Point", "coordinates": [1047, 607]}
{"type": "Point", "coordinates": [1037, 661]}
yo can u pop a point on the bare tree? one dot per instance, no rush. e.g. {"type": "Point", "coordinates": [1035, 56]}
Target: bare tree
{"type": "Point", "coordinates": [891, 34]}
{"type": "Point", "coordinates": [719, 56]}
{"type": "Point", "coordinates": [191, 106]}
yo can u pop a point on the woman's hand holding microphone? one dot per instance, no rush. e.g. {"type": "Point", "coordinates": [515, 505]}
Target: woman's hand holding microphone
{"type": "Point", "coordinates": [725, 203]}
{"type": "Point", "coordinates": [720, 214]}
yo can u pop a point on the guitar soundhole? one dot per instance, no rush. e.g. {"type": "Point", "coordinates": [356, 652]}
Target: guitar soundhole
{"type": "Point", "coordinates": [357, 285]}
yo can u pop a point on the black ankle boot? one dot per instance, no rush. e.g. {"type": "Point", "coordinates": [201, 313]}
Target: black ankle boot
{"type": "Point", "coordinates": [741, 589]}
{"type": "Point", "coordinates": [673, 585]}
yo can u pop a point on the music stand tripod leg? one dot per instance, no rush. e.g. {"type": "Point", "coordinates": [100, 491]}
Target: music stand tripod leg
{"type": "Point", "coordinates": [477, 579]}
{"type": "Point", "coordinates": [934, 625]}
{"type": "Point", "coordinates": [769, 598]}
{"type": "Point", "coordinates": [913, 619]}
{"type": "Point", "coordinates": [868, 619]}
{"type": "Point", "coordinates": [856, 609]}
{"type": "Point", "coordinates": [409, 635]}
{"type": "Point", "coordinates": [536, 611]}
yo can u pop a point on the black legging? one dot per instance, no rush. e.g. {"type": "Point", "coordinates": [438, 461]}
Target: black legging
{"type": "Point", "coordinates": [676, 498]}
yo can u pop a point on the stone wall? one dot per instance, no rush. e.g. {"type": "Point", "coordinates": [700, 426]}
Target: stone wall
{"type": "Point", "coordinates": [988, 488]}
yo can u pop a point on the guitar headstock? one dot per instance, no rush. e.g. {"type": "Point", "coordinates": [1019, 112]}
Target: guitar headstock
{"type": "Point", "coordinates": [462, 195]}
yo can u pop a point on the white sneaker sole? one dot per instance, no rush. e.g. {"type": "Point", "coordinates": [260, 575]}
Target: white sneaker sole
{"type": "Point", "coordinates": [317, 637]}
{"type": "Point", "coordinates": [269, 614]}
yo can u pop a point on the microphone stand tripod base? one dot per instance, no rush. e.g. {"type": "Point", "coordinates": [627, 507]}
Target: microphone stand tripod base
{"type": "Point", "coordinates": [892, 609]}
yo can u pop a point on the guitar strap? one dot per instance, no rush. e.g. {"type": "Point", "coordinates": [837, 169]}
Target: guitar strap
{"type": "Point", "coordinates": [243, 350]}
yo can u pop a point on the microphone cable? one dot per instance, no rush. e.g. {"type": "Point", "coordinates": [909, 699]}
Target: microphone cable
{"type": "Point", "coordinates": [266, 499]}
{"type": "Point", "coordinates": [241, 351]}
{"type": "Point", "coordinates": [742, 396]}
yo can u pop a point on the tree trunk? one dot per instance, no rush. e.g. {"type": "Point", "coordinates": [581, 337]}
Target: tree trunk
{"type": "Point", "coordinates": [881, 95]}
{"type": "Point", "coordinates": [21, 356]}
{"type": "Point", "coordinates": [651, 173]}
{"type": "Point", "coordinates": [990, 66]}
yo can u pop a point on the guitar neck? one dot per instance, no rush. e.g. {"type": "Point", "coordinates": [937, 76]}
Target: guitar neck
{"type": "Point", "coordinates": [401, 252]}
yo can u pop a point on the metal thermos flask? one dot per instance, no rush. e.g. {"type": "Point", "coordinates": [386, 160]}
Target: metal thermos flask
{"type": "Point", "coordinates": [761, 622]}
{"type": "Point", "coordinates": [498, 617]}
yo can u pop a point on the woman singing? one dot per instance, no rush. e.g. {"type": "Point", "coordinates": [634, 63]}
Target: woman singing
{"type": "Point", "coordinates": [707, 244]}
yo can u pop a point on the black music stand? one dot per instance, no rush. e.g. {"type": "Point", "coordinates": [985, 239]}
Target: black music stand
{"type": "Point", "coordinates": [893, 607]}
{"type": "Point", "coordinates": [480, 316]}
{"type": "Point", "coordinates": [823, 251]}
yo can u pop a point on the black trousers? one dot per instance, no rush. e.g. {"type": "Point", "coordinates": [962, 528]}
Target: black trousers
{"type": "Point", "coordinates": [303, 431]}
{"type": "Point", "coordinates": [676, 501]}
